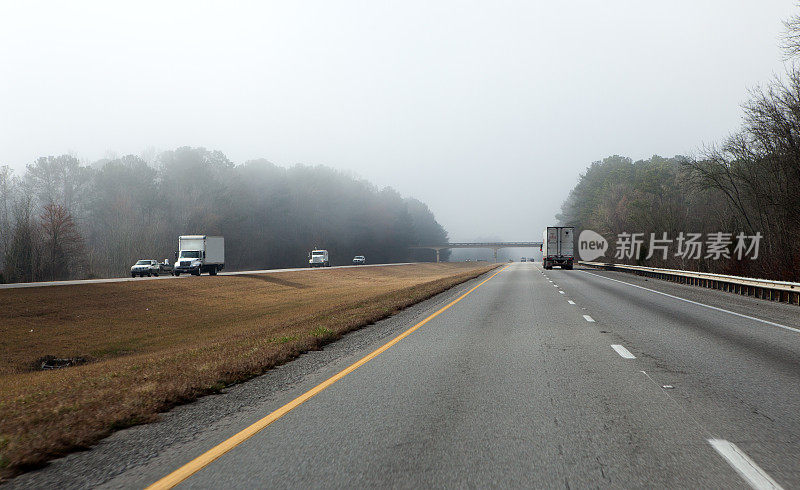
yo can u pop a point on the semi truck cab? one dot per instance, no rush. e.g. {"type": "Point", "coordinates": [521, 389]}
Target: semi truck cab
{"type": "Point", "coordinates": [319, 258]}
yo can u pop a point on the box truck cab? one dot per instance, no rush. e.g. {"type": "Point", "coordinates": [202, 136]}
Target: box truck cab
{"type": "Point", "coordinates": [557, 247]}
{"type": "Point", "coordinates": [318, 258]}
{"type": "Point", "coordinates": [199, 253]}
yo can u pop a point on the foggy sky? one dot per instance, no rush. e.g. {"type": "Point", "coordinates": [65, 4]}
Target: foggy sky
{"type": "Point", "coordinates": [486, 111]}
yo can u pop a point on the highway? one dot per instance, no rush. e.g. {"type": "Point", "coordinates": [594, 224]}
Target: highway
{"type": "Point", "coordinates": [526, 378]}
{"type": "Point", "coordinates": [77, 282]}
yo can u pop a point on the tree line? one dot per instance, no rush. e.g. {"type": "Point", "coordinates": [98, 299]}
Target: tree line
{"type": "Point", "coordinates": [680, 195]}
{"type": "Point", "coordinates": [749, 183]}
{"type": "Point", "coordinates": [62, 219]}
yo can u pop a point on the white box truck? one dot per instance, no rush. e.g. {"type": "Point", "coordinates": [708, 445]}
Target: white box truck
{"type": "Point", "coordinates": [199, 253]}
{"type": "Point", "coordinates": [558, 243]}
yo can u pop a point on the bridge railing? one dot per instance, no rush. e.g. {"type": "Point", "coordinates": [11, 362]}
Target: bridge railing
{"type": "Point", "coordinates": [481, 245]}
{"type": "Point", "coordinates": [788, 292]}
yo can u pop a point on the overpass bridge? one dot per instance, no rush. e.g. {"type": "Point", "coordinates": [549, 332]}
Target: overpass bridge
{"type": "Point", "coordinates": [495, 246]}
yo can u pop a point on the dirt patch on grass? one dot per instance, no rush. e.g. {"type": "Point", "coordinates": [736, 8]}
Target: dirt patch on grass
{"type": "Point", "coordinates": [46, 363]}
{"type": "Point", "coordinates": [156, 344]}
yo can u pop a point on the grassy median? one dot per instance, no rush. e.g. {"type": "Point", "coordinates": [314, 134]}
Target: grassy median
{"type": "Point", "coordinates": [147, 346]}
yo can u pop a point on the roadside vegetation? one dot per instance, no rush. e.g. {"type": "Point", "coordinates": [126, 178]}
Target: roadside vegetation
{"type": "Point", "coordinates": [65, 219]}
{"type": "Point", "coordinates": [148, 346]}
{"type": "Point", "coordinates": [749, 183]}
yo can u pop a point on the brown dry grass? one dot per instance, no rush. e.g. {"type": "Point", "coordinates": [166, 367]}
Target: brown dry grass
{"type": "Point", "coordinates": [155, 344]}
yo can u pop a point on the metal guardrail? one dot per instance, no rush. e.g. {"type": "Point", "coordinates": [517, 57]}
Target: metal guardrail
{"type": "Point", "coordinates": [788, 292]}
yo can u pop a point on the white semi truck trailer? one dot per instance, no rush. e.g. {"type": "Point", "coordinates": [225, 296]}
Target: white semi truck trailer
{"type": "Point", "coordinates": [199, 253]}
{"type": "Point", "coordinates": [558, 243]}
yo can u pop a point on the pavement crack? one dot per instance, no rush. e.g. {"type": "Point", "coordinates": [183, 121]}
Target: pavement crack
{"type": "Point", "coordinates": [602, 467]}
{"type": "Point", "coordinates": [756, 412]}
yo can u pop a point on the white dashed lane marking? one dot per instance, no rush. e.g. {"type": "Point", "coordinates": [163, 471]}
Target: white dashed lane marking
{"type": "Point", "coordinates": [746, 467]}
{"type": "Point", "coordinates": [740, 315]}
{"type": "Point", "coordinates": [622, 351]}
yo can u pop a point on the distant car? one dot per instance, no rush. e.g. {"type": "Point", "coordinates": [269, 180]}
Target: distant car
{"type": "Point", "coordinates": [523, 259]}
{"type": "Point", "coordinates": [359, 260]}
{"type": "Point", "coordinates": [145, 268]}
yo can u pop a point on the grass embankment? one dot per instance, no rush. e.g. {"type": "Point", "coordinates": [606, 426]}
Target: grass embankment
{"type": "Point", "coordinates": [154, 344]}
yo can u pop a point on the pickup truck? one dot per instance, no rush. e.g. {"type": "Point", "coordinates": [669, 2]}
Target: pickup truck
{"type": "Point", "coordinates": [149, 268]}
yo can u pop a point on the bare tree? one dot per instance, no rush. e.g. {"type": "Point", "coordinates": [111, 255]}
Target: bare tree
{"type": "Point", "coordinates": [790, 40]}
{"type": "Point", "coordinates": [7, 190]}
{"type": "Point", "coordinates": [59, 180]}
{"type": "Point", "coordinates": [62, 242]}
{"type": "Point", "coordinates": [23, 255]}
{"type": "Point", "coordinates": [758, 170]}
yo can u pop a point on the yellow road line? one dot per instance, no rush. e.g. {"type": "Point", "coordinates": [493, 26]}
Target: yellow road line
{"type": "Point", "coordinates": [207, 457]}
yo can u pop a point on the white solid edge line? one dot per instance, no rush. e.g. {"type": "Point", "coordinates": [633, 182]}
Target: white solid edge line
{"type": "Point", "coordinates": [570, 302]}
{"type": "Point", "coordinates": [588, 318]}
{"type": "Point", "coordinates": [700, 304]}
{"type": "Point", "coordinates": [746, 467]}
{"type": "Point", "coordinates": [622, 351]}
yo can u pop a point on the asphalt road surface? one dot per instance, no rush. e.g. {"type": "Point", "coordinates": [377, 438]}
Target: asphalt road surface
{"type": "Point", "coordinates": [543, 379]}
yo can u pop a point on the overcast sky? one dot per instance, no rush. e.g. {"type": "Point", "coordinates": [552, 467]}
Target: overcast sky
{"type": "Point", "coordinates": [487, 111]}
